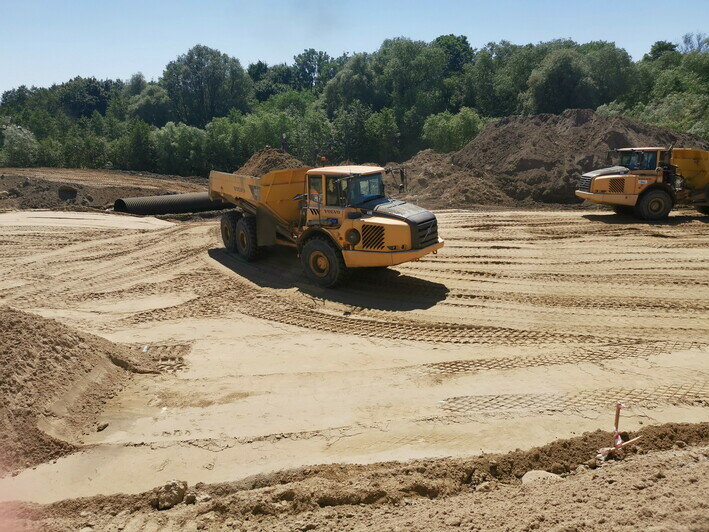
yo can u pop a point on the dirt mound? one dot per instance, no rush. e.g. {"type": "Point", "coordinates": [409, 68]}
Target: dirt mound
{"type": "Point", "coordinates": [541, 157]}
{"type": "Point", "coordinates": [52, 381]}
{"type": "Point", "coordinates": [316, 495]}
{"type": "Point", "coordinates": [267, 160]}
{"type": "Point", "coordinates": [433, 181]}
{"type": "Point", "coordinates": [25, 189]}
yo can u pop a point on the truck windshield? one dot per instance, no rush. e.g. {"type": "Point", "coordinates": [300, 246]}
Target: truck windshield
{"type": "Point", "coordinates": [639, 160]}
{"type": "Point", "coordinates": [364, 188]}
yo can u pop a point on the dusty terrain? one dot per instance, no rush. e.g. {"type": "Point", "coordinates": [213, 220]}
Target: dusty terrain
{"type": "Point", "coordinates": [526, 328]}
{"type": "Point", "coordinates": [654, 487]}
{"type": "Point", "coordinates": [134, 351]}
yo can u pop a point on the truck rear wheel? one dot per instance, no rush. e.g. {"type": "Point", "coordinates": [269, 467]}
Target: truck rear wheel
{"type": "Point", "coordinates": [654, 205]}
{"type": "Point", "coordinates": [246, 238]}
{"type": "Point", "coordinates": [228, 229]}
{"type": "Point", "coordinates": [323, 263]}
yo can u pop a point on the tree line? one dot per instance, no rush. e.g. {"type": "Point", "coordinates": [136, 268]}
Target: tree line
{"type": "Point", "coordinates": [207, 111]}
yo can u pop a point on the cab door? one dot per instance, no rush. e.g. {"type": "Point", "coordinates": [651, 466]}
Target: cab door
{"type": "Point", "coordinates": [334, 204]}
{"type": "Point", "coordinates": [315, 199]}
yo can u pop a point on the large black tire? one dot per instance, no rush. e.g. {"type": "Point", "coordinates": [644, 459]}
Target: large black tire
{"type": "Point", "coordinates": [654, 205]}
{"type": "Point", "coordinates": [623, 210]}
{"type": "Point", "coordinates": [323, 262]}
{"type": "Point", "coordinates": [228, 229]}
{"type": "Point", "coordinates": [246, 245]}
{"type": "Point", "coordinates": [704, 209]}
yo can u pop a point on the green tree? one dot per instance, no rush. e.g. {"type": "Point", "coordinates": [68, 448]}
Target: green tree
{"type": "Point", "coordinates": [350, 133]}
{"type": "Point", "coordinates": [136, 84]}
{"type": "Point", "coordinates": [152, 105]}
{"type": "Point", "coordinates": [446, 132]}
{"type": "Point", "coordinates": [562, 81]}
{"type": "Point", "coordinates": [457, 50]}
{"type": "Point", "coordinates": [134, 150]}
{"type": "Point", "coordinates": [611, 70]}
{"type": "Point", "coordinates": [658, 49]}
{"type": "Point", "coordinates": [204, 83]}
{"type": "Point", "coordinates": [19, 147]}
{"type": "Point", "coordinates": [383, 135]}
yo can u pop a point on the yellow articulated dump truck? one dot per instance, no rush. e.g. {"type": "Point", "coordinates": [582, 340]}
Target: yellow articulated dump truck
{"type": "Point", "coordinates": [649, 182]}
{"type": "Point", "coordinates": [337, 218]}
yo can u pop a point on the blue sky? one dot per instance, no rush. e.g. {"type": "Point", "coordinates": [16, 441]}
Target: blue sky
{"type": "Point", "coordinates": [44, 42]}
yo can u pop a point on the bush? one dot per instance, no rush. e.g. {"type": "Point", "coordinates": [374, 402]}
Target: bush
{"type": "Point", "coordinates": [19, 147]}
{"type": "Point", "coordinates": [446, 132]}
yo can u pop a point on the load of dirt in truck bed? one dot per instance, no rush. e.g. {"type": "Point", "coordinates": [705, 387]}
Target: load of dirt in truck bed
{"type": "Point", "coordinates": [658, 481]}
{"type": "Point", "coordinates": [77, 189]}
{"type": "Point", "coordinates": [541, 157]}
{"type": "Point", "coordinates": [268, 160]}
{"type": "Point", "coordinates": [52, 382]}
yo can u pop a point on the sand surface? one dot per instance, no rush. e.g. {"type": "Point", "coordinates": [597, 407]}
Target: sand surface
{"type": "Point", "coordinates": [525, 328]}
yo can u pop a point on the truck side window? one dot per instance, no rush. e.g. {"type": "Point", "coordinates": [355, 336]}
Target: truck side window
{"type": "Point", "coordinates": [315, 188]}
{"type": "Point", "coordinates": [650, 160]}
{"type": "Point", "coordinates": [331, 198]}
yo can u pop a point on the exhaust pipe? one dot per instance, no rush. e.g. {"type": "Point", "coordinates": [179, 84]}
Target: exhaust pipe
{"type": "Point", "coordinates": [170, 204]}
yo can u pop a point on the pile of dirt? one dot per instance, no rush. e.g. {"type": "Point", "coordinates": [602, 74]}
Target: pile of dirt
{"type": "Point", "coordinates": [433, 181]}
{"type": "Point", "coordinates": [540, 157]}
{"type": "Point", "coordinates": [268, 160]}
{"type": "Point", "coordinates": [320, 496]}
{"type": "Point", "coordinates": [52, 382]}
{"type": "Point", "coordinates": [21, 189]}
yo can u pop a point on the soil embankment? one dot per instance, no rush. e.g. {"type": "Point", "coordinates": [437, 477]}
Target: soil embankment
{"type": "Point", "coordinates": [79, 190]}
{"type": "Point", "coordinates": [568, 488]}
{"type": "Point", "coordinates": [53, 381]}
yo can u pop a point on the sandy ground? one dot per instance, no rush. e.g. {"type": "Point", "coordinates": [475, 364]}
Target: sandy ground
{"type": "Point", "coordinates": [527, 327]}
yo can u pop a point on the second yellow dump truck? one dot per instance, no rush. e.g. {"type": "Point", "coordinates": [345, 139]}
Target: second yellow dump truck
{"type": "Point", "coordinates": [337, 218]}
{"type": "Point", "coordinates": [649, 182]}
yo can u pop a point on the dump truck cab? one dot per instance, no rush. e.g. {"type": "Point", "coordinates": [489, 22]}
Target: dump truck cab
{"type": "Point", "coordinates": [349, 202]}
{"type": "Point", "coordinates": [649, 181]}
{"type": "Point", "coordinates": [337, 217]}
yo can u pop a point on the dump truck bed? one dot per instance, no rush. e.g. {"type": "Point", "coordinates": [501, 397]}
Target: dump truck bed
{"type": "Point", "coordinates": [269, 197]}
{"type": "Point", "coordinates": [693, 165]}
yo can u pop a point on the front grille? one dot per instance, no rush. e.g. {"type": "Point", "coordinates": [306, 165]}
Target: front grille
{"type": "Point", "coordinates": [585, 184]}
{"type": "Point", "coordinates": [372, 236]}
{"type": "Point", "coordinates": [426, 234]}
{"type": "Point", "coordinates": [616, 185]}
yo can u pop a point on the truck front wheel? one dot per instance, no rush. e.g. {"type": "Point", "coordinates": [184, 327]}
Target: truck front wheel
{"type": "Point", "coordinates": [245, 236]}
{"type": "Point", "coordinates": [228, 229]}
{"type": "Point", "coordinates": [323, 263]}
{"type": "Point", "coordinates": [654, 205]}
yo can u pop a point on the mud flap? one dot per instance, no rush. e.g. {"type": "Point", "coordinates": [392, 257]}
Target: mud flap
{"type": "Point", "coordinates": [265, 228]}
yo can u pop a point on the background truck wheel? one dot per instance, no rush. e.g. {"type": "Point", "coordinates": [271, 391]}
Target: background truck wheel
{"type": "Point", "coordinates": [323, 263]}
{"type": "Point", "coordinates": [623, 210]}
{"type": "Point", "coordinates": [246, 238]}
{"type": "Point", "coordinates": [228, 229]}
{"type": "Point", "coordinates": [655, 205]}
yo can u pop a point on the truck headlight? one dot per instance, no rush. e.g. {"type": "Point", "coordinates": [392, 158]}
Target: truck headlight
{"type": "Point", "coordinates": [353, 237]}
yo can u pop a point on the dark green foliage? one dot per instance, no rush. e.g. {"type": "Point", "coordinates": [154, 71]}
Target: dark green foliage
{"type": "Point", "coordinates": [152, 105]}
{"type": "Point", "coordinates": [208, 112]}
{"type": "Point", "coordinates": [205, 83]}
{"type": "Point", "coordinates": [562, 81]}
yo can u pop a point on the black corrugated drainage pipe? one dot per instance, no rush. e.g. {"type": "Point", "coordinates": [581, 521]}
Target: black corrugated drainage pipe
{"type": "Point", "coordinates": [169, 204]}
